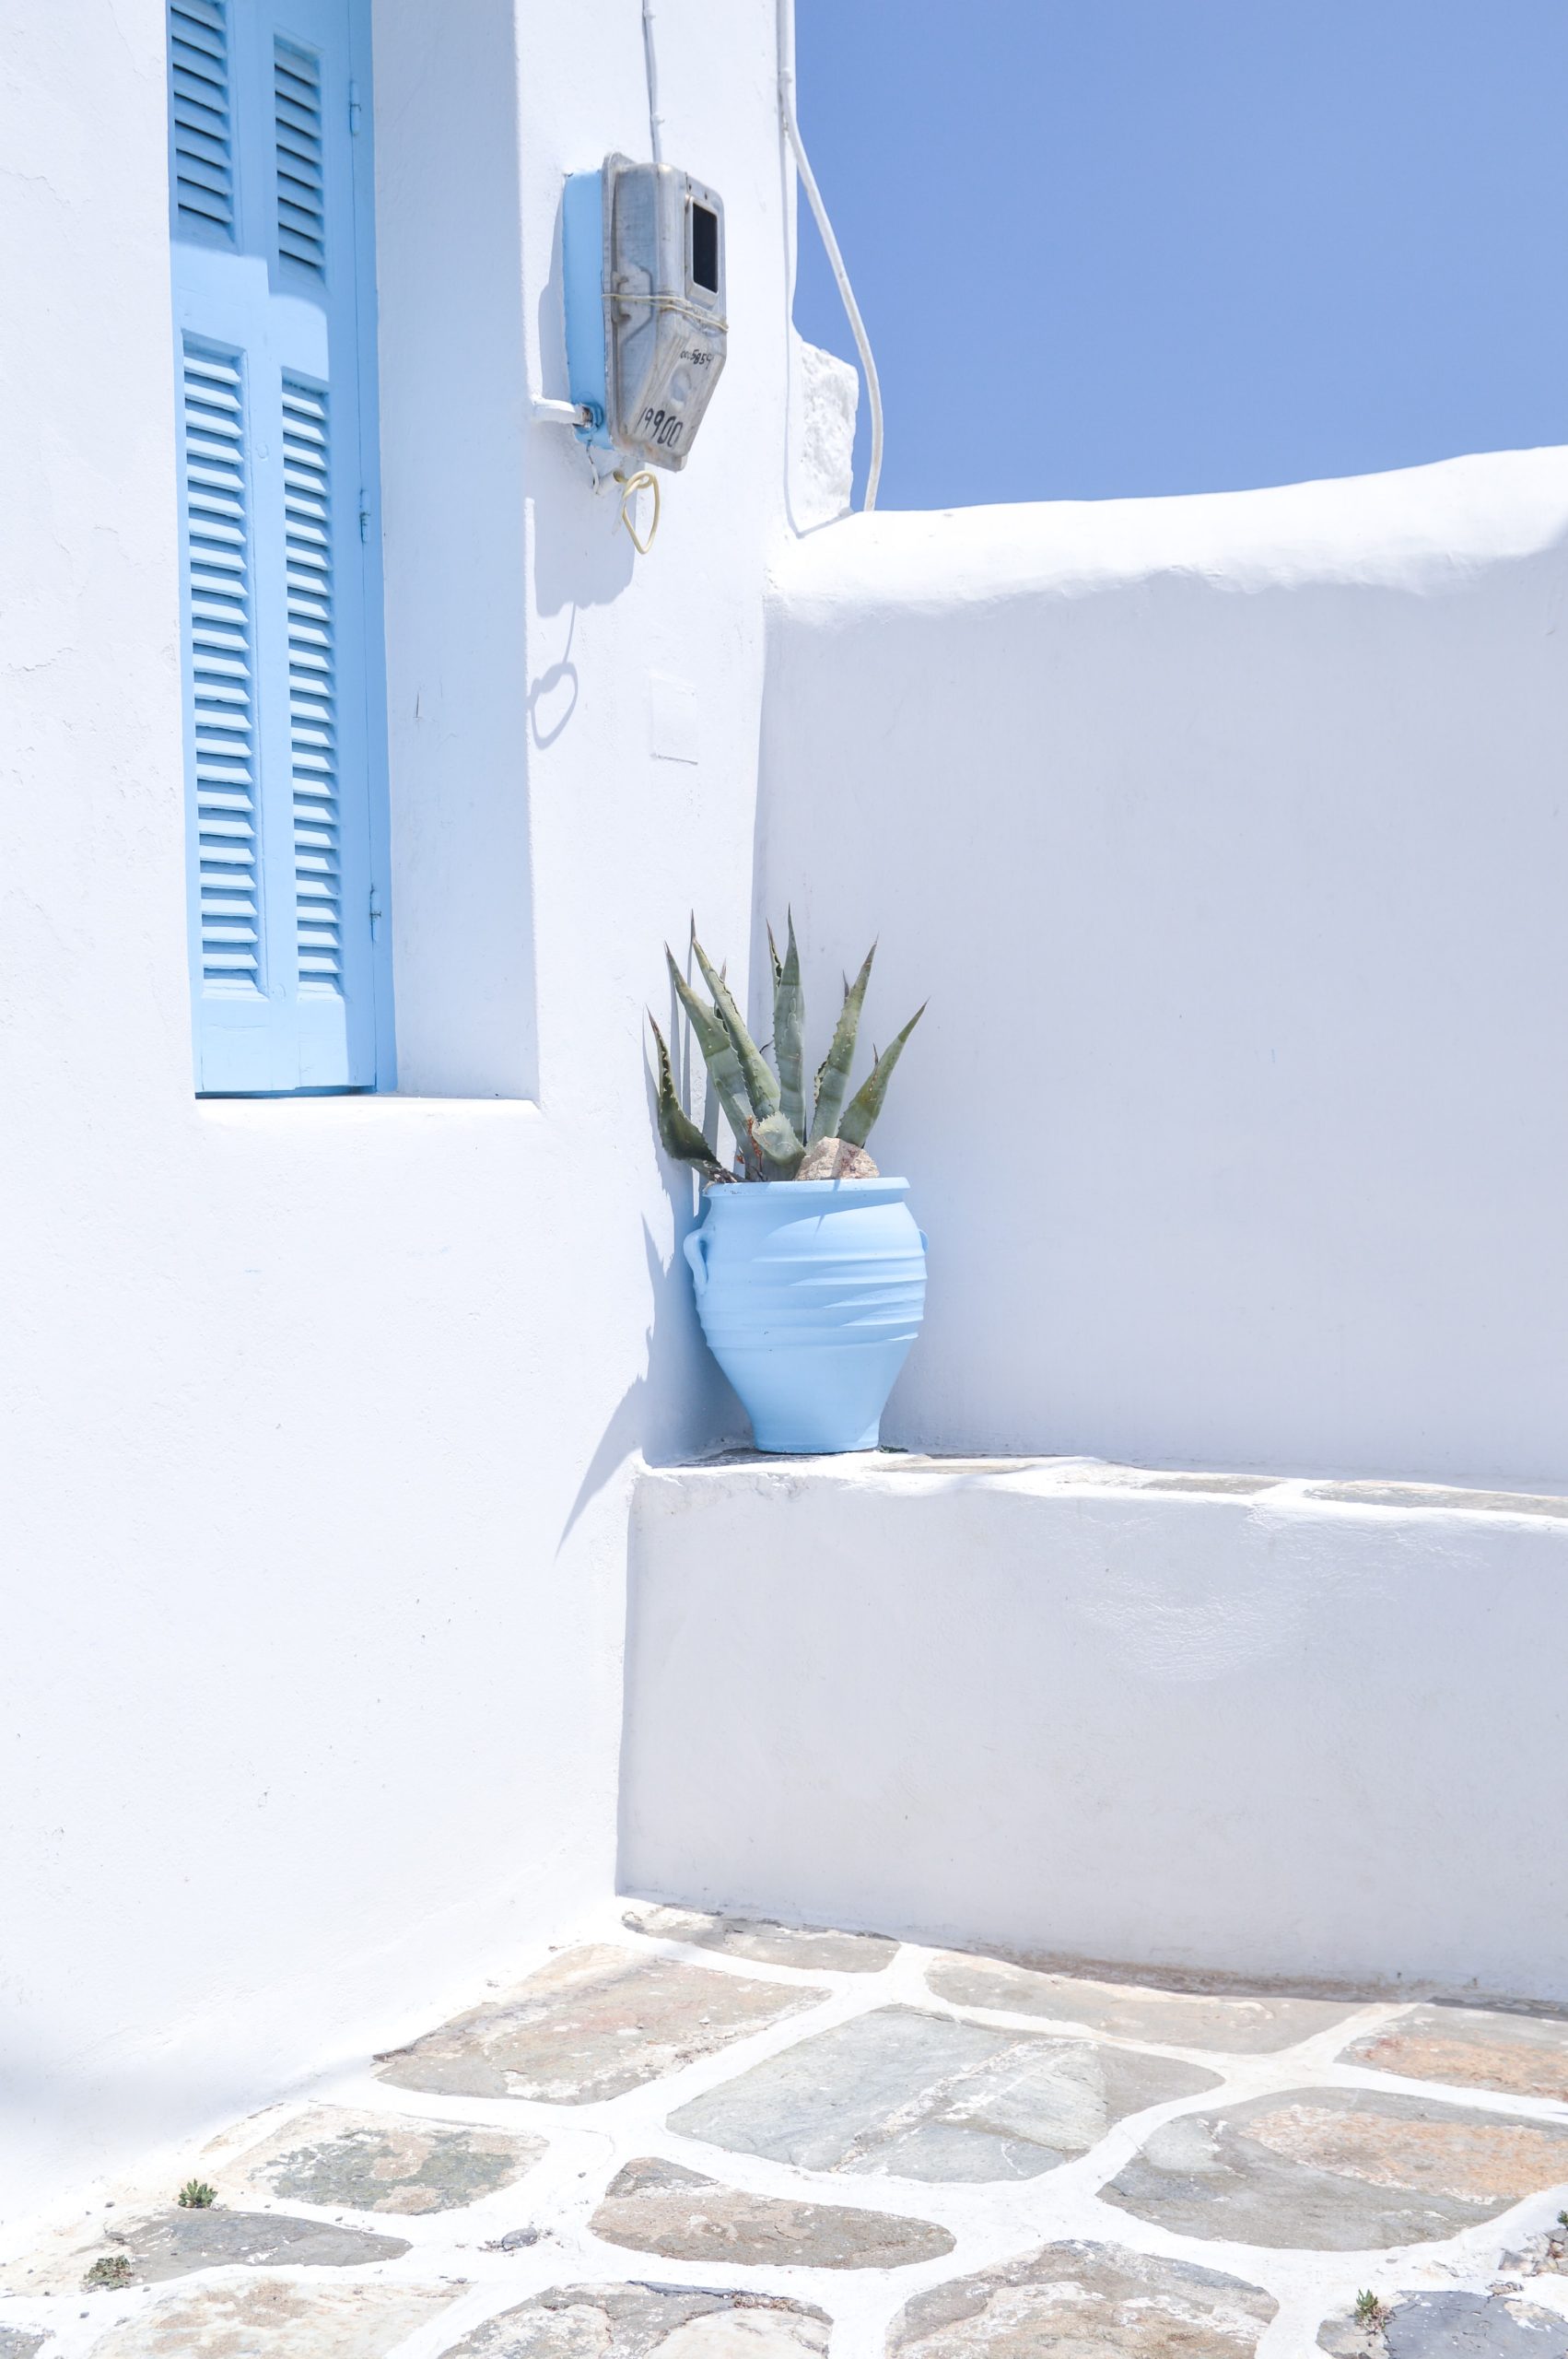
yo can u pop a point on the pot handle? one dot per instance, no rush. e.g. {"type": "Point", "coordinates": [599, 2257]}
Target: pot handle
{"type": "Point", "coordinates": [693, 1244]}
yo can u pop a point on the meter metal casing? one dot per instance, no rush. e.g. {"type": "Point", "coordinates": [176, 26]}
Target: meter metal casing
{"type": "Point", "coordinates": [643, 262]}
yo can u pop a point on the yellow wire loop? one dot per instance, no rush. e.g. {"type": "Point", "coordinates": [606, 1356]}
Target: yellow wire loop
{"type": "Point", "coordinates": [644, 480]}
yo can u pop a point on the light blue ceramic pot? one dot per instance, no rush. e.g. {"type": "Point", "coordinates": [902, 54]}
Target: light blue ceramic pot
{"type": "Point", "coordinates": [810, 1293]}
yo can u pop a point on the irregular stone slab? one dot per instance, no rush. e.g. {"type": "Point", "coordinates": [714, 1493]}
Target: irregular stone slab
{"type": "Point", "coordinates": [1337, 2169]}
{"type": "Point", "coordinates": [1524, 2055]}
{"type": "Point", "coordinates": [179, 2242]}
{"type": "Point", "coordinates": [1453, 2326]}
{"type": "Point", "coordinates": [1545, 2255]}
{"type": "Point", "coordinates": [376, 2161]}
{"type": "Point", "coordinates": [1239, 2026]}
{"type": "Point", "coordinates": [173, 2243]}
{"type": "Point", "coordinates": [921, 2096]}
{"type": "Point", "coordinates": [278, 2321]}
{"type": "Point", "coordinates": [591, 2025]}
{"type": "Point", "coordinates": [767, 1944]}
{"type": "Point", "coordinates": [1083, 2301]}
{"type": "Point", "coordinates": [1231, 1486]}
{"type": "Point", "coordinates": [658, 2207]}
{"type": "Point", "coordinates": [15, 2344]}
{"type": "Point", "coordinates": [1417, 1495]}
{"type": "Point", "coordinates": [649, 2322]}
{"type": "Point", "coordinates": [1098, 1474]}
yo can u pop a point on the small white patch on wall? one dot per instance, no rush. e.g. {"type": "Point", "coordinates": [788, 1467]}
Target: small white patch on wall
{"type": "Point", "coordinates": [672, 734]}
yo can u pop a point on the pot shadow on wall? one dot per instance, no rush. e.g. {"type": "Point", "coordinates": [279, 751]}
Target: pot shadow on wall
{"type": "Point", "coordinates": [681, 1403]}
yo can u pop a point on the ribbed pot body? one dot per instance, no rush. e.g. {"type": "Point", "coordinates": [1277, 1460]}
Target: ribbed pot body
{"type": "Point", "coordinates": [810, 1293]}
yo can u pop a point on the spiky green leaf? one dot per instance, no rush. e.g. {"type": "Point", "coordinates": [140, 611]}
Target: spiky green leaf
{"type": "Point", "coordinates": [772, 958]}
{"type": "Point", "coordinates": [719, 1052]}
{"type": "Point", "coordinates": [789, 1033]}
{"type": "Point", "coordinates": [778, 1143]}
{"type": "Point", "coordinates": [678, 1133]}
{"type": "Point", "coordinates": [761, 1088]}
{"type": "Point", "coordinates": [855, 1121]}
{"type": "Point", "coordinates": [833, 1075]}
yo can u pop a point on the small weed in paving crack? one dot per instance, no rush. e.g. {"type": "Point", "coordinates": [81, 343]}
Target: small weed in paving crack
{"type": "Point", "coordinates": [113, 2269]}
{"type": "Point", "coordinates": [196, 2195]}
{"type": "Point", "coordinates": [1372, 2312]}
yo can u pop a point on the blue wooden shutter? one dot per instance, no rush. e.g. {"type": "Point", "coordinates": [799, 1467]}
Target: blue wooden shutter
{"type": "Point", "coordinates": [285, 734]}
{"type": "Point", "coordinates": [221, 661]}
{"type": "Point", "coordinates": [202, 119]}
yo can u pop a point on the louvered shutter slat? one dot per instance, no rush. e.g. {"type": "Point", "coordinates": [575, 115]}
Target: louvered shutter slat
{"type": "Point", "coordinates": [199, 47]}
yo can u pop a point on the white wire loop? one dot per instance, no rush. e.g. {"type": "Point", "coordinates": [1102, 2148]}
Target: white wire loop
{"type": "Point", "coordinates": [644, 480]}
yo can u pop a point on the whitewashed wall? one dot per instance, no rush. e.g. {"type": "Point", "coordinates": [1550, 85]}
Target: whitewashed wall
{"type": "Point", "coordinates": [1227, 836]}
{"type": "Point", "coordinates": [316, 1415]}
{"type": "Point", "coordinates": [1223, 833]}
{"type": "Point", "coordinates": [1219, 1725]}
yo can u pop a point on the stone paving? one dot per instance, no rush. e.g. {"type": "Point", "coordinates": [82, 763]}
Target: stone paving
{"type": "Point", "coordinates": [693, 2138]}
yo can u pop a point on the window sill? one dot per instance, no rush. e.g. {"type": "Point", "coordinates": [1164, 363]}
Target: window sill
{"type": "Point", "coordinates": [350, 1109]}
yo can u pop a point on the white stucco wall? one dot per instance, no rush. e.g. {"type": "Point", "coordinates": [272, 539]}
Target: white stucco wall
{"type": "Point", "coordinates": [1074, 1712]}
{"type": "Point", "coordinates": [315, 1414]}
{"type": "Point", "coordinates": [1223, 833]}
{"type": "Point", "coordinates": [1227, 837]}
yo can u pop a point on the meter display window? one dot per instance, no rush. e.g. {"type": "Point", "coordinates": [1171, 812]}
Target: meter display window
{"type": "Point", "coordinates": [705, 249]}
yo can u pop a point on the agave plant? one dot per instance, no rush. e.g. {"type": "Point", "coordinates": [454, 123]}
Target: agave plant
{"type": "Point", "coordinates": [765, 1106]}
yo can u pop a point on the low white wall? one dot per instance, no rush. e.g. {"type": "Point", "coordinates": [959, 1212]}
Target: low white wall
{"type": "Point", "coordinates": [1074, 1712]}
{"type": "Point", "coordinates": [316, 1415]}
{"type": "Point", "coordinates": [1227, 836]}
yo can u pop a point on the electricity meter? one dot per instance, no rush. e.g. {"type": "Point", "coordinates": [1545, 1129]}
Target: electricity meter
{"type": "Point", "coordinates": [643, 262]}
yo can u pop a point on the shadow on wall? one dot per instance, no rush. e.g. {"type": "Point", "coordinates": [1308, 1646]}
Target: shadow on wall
{"type": "Point", "coordinates": [681, 1388]}
{"type": "Point", "coordinates": [553, 693]}
{"type": "Point", "coordinates": [582, 556]}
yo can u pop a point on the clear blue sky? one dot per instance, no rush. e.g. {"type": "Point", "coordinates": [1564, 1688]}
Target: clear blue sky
{"type": "Point", "coordinates": [1124, 246]}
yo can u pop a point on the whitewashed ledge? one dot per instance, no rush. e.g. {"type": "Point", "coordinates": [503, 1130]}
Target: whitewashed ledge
{"type": "Point", "coordinates": [1224, 1726]}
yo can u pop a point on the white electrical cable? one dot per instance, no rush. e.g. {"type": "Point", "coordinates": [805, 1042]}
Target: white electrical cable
{"type": "Point", "coordinates": [825, 227]}
{"type": "Point", "coordinates": [553, 413]}
{"type": "Point", "coordinates": [655, 119]}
